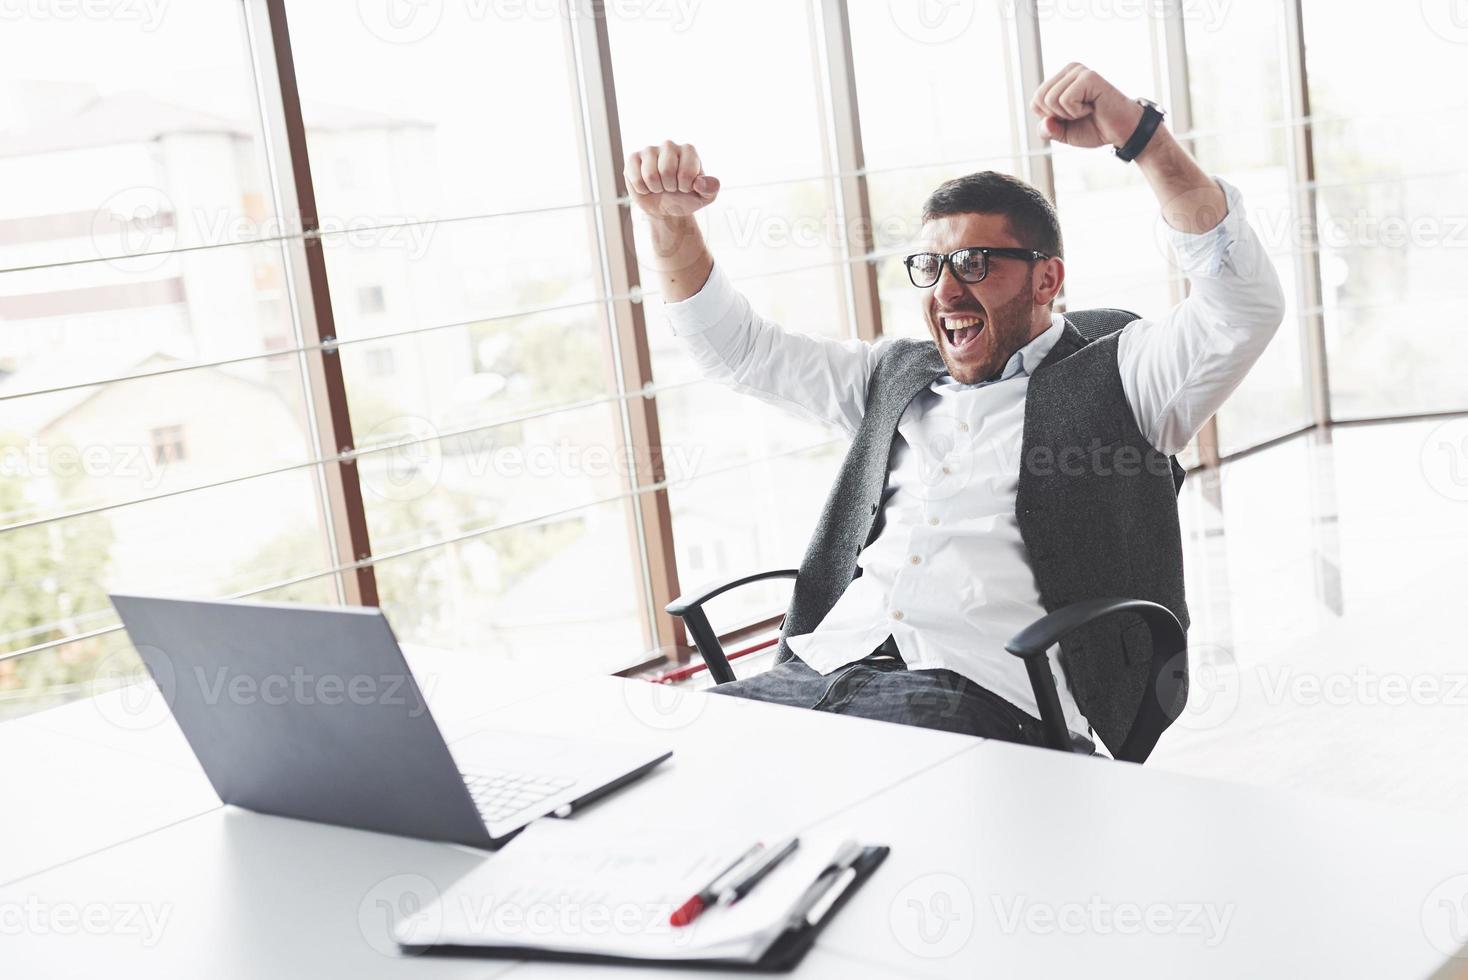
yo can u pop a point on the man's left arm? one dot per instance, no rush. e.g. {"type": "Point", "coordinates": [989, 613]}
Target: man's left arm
{"type": "Point", "coordinates": [1180, 368]}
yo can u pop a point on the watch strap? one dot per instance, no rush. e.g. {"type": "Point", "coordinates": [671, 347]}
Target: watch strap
{"type": "Point", "coordinates": [1142, 135]}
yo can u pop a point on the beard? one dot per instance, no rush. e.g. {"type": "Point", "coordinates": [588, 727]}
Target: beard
{"type": "Point", "coordinates": [1006, 329]}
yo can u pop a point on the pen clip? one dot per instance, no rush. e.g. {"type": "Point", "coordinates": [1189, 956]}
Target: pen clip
{"type": "Point", "coordinates": [832, 895]}
{"type": "Point", "coordinates": [816, 892]}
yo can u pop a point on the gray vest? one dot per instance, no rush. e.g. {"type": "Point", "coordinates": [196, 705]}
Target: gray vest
{"type": "Point", "coordinates": [1096, 507]}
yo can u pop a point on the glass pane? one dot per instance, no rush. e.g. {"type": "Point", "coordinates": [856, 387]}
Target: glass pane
{"type": "Point", "coordinates": [938, 98]}
{"type": "Point", "coordinates": [748, 430]}
{"type": "Point", "coordinates": [153, 328]}
{"type": "Point", "coordinates": [217, 542]}
{"type": "Point", "coordinates": [132, 133]}
{"type": "Point", "coordinates": [134, 139]}
{"type": "Point", "coordinates": [470, 377]}
{"type": "Point", "coordinates": [1392, 193]}
{"type": "Point", "coordinates": [466, 284]}
{"type": "Point", "coordinates": [760, 126]}
{"type": "Point", "coordinates": [1108, 213]}
{"type": "Point", "coordinates": [1239, 87]}
{"type": "Point", "coordinates": [560, 592]}
{"type": "Point", "coordinates": [416, 111]}
{"type": "Point", "coordinates": [756, 517]}
{"type": "Point", "coordinates": [428, 488]}
{"type": "Point", "coordinates": [776, 212]}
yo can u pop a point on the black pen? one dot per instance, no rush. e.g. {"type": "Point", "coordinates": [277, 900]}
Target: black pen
{"type": "Point", "coordinates": [757, 872]}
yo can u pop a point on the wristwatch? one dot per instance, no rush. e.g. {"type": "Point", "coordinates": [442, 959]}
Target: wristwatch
{"type": "Point", "coordinates": [1146, 126]}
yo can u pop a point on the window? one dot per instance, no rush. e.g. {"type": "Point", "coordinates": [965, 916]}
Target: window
{"type": "Point", "coordinates": [155, 309]}
{"type": "Point", "coordinates": [168, 445]}
{"type": "Point", "coordinates": [936, 102]}
{"type": "Point", "coordinates": [370, 300]}
{"type": "Point", "coordinates": [1108, 214]}
{"type": "Point", "coordinates": [1239, 86]}
{"type": "Point", "coordinates": [1390, 202]}
{"type": "Point", "coordinates": [380, 362]}
{"type": "Point", "coordinates": [141, 290]}
{"type": "Point", "coordinates": [747, 478]}
{"type": "Point", "coordinates": [495, 503]}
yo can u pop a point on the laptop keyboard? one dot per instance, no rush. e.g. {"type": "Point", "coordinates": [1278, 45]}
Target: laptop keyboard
{"type": "Point", "coordinates": [500, 795]}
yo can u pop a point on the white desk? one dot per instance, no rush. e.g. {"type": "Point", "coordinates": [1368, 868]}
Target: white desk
{"type": "Point", "coordinates": [974, 827]}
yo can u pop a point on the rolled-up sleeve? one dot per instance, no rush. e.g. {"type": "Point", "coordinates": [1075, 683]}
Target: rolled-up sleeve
{"type": "Point", "coordinates": [819, 377]}
{"type": "Point", "coordinates": [1179, 369]}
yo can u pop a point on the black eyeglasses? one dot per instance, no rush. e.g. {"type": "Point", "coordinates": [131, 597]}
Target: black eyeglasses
{"type": "Point", "coordinates": [969, 265]}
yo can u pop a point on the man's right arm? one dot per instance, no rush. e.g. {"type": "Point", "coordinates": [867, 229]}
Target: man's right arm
{"type": "Point", "coordinates": [820, 377]}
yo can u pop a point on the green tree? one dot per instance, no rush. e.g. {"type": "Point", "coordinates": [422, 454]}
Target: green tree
{"type": "Point", "coordinates": [52, 574]}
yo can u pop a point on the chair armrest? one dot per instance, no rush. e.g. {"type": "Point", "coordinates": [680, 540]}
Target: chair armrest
{"type": "Point", "coordinates": [689, 608]}
{"type": "Point", "coordinates": [1168, 640]}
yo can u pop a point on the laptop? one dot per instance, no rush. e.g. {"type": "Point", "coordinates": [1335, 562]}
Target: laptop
{"type": "Point", "coordinates": [311, 712]}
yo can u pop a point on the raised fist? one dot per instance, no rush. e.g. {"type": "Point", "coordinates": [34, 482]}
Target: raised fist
{"type": "Point", "coordinates": [668, 181]}
{"type": "Point", "coordinates": [1078, 107]}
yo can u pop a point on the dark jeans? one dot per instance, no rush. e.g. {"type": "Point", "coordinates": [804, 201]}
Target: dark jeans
{"type": "Point", "coordinates": [881, 687]}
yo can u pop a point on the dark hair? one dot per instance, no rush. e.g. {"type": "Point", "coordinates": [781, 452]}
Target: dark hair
{"type": "Point", "coordinates": [1030, 214]}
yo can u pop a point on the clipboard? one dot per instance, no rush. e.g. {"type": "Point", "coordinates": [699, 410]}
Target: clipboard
{"type": "Point", "coordinates": [782, 957]}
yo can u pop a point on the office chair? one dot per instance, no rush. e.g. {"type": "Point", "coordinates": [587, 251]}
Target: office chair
{"type": "Point", "coordinates": [1167, 670]}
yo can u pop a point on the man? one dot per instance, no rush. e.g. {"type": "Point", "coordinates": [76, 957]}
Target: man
{"type": "Point", "coordinates": [1004, 491]}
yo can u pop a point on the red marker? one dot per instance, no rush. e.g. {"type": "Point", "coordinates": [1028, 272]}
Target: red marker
{"type": "Point", "coordinates": [691, 909]}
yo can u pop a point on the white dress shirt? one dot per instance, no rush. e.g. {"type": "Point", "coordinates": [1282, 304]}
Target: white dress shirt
{"type": "Point", "coordinates": [948, 576]}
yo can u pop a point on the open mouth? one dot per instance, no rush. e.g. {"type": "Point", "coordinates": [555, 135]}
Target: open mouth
{"type": "Point", "coordinates": [961, 332]}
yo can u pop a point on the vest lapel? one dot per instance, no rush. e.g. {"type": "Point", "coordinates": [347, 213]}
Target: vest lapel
{"type": "Point", "coordinates": [1070, 341]}
{"type": "Point", "coordinates": [851, 508]}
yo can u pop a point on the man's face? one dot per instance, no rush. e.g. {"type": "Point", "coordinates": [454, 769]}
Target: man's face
{"type": "Point", "coordinates": [979, 326]}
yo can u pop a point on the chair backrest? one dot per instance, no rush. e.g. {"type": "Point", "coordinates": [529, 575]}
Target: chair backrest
{"type": "Point", "coordinates": [1154, 713]}
{"type": "Point", "coordinates": [1097, 323]}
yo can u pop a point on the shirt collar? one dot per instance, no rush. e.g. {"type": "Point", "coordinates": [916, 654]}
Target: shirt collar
{"type": "Point", "coordinates": [1034, 353]}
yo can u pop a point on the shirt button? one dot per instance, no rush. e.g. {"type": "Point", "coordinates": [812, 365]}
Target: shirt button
{"type": "Point", "coordinates": [963, 427]}
{"type": "Point", "coordinates": [916, 559]}
{"type": "Point", "coordinates": [897, 614]}
{"type": "Point", "coordinates": [933, 521]}
{"type": "Point", "coordinates": [947, 471]}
